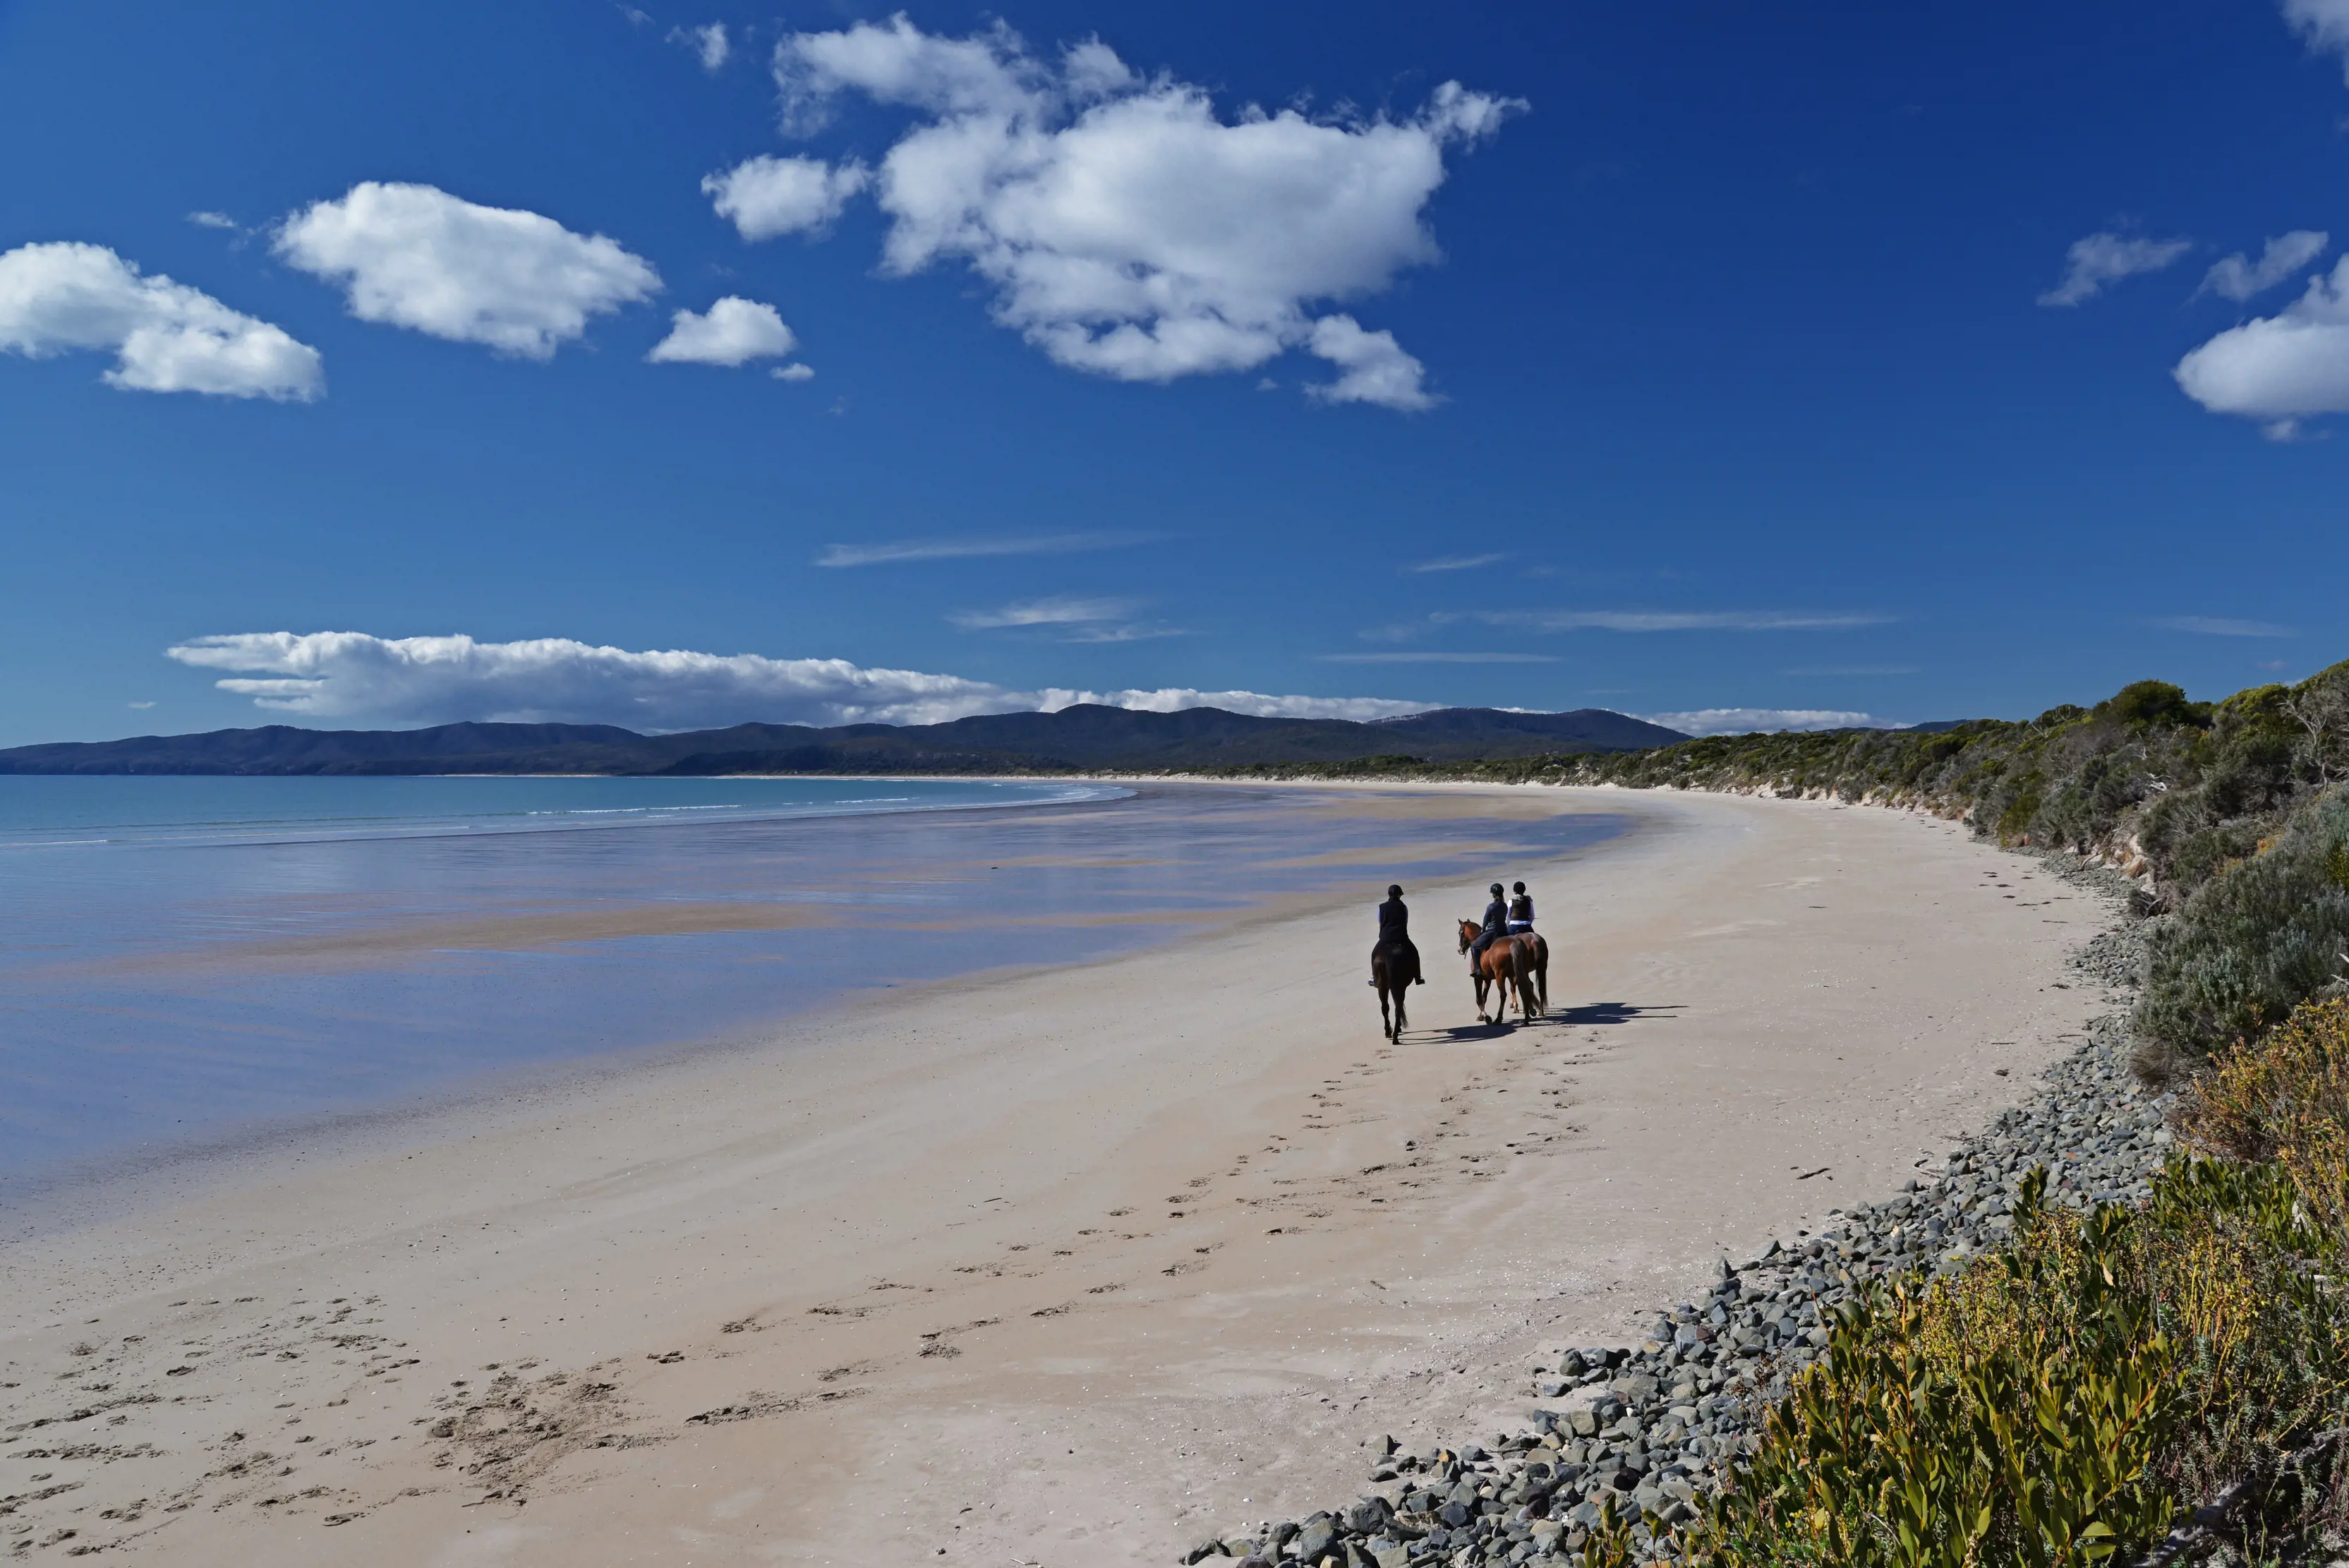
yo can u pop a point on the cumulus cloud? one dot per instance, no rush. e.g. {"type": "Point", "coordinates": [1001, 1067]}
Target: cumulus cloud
{"type": "Point", "coordinates": [1374, 368]}
{"type": "Point", "coordinates": [2279, 368]}
{"type": "Point", "coordinates": [765, 197]}
{"type": "Point", "coordinates": [351, 676]}
{"type": "Point", "coordinates": [2322, 24]}
{"type": "Point", "coordinates": [2221, 626]}
{"type": "Point", "coordinates": [892, 551]}
{"type": "Point", "coordinates": [708, 42]}
{"type": "Point", "coordinates": [2239, 277]}
{"type": "Point", "coordinates": [1127, 228]}
{"type": "Point", "coordinates": [165, 336]}
{"type": "Point", "coordinates": [1749, 721]}
{"type": "Point", "coordinates": [732, 331]}
{"type": "Point", "coordinates": [415, 256]}
{"type": "Point", "coordinates": [2103, 258]}
{"type": "Point", "coordinates": [793, 372]}
{"type": "Point", "coordinates": [212, 221]}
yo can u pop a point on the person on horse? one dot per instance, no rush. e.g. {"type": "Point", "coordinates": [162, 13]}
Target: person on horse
{"type": "Point", "coordinates": [1394, 932]}
{"type": "Point", "coordinates": [1496, 926]}
{"type": "Point", "coordinates": [1521, 910]}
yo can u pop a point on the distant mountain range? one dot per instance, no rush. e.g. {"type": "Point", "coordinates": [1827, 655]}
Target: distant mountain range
{"type": "Point", "coordinates": [1084, 738]}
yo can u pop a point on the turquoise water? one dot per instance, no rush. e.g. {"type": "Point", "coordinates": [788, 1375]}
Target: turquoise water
{"type": "Point", "coordinates": [184, 960]}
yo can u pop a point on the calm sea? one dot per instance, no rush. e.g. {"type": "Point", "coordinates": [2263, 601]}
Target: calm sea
{"type": "Point", "coordinates": [189, 960]}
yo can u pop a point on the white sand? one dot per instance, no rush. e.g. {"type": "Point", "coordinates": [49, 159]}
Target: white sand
{"type": "Point", "coordinates": [1058, 1268]}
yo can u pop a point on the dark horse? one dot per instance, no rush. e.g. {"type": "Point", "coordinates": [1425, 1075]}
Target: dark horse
{"type": "Point", "coordinates": [1512, 965]}
{"type": "Point", "coordinates": [1394, 970]}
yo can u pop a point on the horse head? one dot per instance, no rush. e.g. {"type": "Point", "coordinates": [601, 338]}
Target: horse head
{"type": "Point", "coordinates": [1469, 931]}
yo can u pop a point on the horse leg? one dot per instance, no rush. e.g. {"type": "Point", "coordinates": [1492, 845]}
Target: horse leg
{"type": "Point", "coordinates": [1385, 1027]}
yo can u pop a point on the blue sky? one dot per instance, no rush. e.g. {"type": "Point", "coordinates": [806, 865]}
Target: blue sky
{"type": "Point", "coordinates": [1841, 360]}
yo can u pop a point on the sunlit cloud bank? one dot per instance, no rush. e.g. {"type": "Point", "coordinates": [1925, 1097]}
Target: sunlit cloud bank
{"type": "Point", "coordinates": [355, 677]}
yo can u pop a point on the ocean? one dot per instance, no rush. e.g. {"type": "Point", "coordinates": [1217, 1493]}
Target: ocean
{"type": "Point", "coordinates": [186, 962]}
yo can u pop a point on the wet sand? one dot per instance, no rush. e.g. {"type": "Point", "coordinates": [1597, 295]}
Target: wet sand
{"type": "Point", "coordinates": [1054, 1269]}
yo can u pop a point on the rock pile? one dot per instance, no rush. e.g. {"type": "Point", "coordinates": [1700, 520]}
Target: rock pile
{"type": "Point", "coordinates": [1651, 1426]}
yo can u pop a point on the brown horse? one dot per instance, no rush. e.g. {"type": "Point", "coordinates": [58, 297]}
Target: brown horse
{"type": "Point", "coordinates": [1394, 970]}
{"type": "Point", "coordinates": [1508, 965]}
{"type": "Point", "coordinates": [1536, 963]}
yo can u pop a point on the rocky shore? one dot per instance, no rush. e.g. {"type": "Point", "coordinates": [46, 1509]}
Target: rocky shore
{"type": "Point", "coordinates": [1649, 1428]}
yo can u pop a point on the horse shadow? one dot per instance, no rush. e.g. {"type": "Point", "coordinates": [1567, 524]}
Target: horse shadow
{"type": "Point", "coordinates": [1590, 1014]}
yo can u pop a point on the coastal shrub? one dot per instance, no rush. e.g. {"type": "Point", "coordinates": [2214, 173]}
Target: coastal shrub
{"type": "Point", "coordinates": [2285, 1099]}
{"type": "Point", "coordinates": [2063, 1400]}
{"type": "Point", "coordinates": [2254, 942]}
{"type": "Point", "coordinates": [2012, 1414]}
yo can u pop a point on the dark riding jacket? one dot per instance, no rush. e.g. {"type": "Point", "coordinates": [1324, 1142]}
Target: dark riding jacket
{"type": "Point", "coordinates": [1521, 911]}
{"type": "Point", "coordinates": [1395, 921]}
{"type": "Point", "coordinates": [1497, 918]}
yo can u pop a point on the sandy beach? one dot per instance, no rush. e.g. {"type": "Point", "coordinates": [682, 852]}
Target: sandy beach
{"type": "Point", "coordinates": [1061, 1268]}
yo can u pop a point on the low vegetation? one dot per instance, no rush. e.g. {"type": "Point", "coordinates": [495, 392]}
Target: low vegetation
{"type": "Point", "coordinates": [2155, 1382]}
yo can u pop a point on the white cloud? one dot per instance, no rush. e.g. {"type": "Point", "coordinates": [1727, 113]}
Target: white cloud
{"type": "Point", "coordinates": [733, 331]}
{"type": "Point", "coordinates": [892, 551]}
{"type": "Point", "coordinates": [1175, 699]}
{"type": "Point", "coordinates": [1671, 620]}
{"type": "Point", "coordinates": [2239, 277]}
{"type": "Point", "coordinates": [1083, 619]}
{"type": "Point", "coordinates": [765, 197]}
{"type": "Point", "coordinates": [2324, 24]}
{"type": "Point", "coordinates": [1127, 228]}
{"type": "Point", "coordinates": [2220, 625]}
{"type": "Point", "coordinates": [165, 336]}
{"type": "Point", "coordinates": [1749, 721]}
{"type": "Point", "coordinates": [1434, 658]}
{"type": "Point", "coordinates": [793, 372]}
{"type": "Point", "coordinates": [1060, 611]}
{"type": "Point", "coordinates": [2103, 258]}
{"type": "Point", "coordinates": [708, 42]}
{"type": "Point", "coordinates": [1376, 369]}
{"type": "Point", "coordinates": [352, 676]}
{"type": "Point", "coordinates": [414, 256]}
{"type": "Point", "coordinates": [1456, 562]}
{"type": "Point", "coordinates": [2279, 368]}
{"type": "Point", "coordinates": [212, 219]}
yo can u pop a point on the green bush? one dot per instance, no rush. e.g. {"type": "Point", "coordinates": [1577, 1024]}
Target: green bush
{"type": "Point", "coordinates": [2059, 1403]}
{"type": "Point", "coordinates": [2252, 942]}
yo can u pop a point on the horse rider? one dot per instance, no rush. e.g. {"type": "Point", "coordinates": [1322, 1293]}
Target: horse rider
{"type": "Point", "coordinates": [1521, 910]}
{"type": "Point", "coordinates": [1496, 926]}
{"type": "Point", "coordinates": [1394, 931]}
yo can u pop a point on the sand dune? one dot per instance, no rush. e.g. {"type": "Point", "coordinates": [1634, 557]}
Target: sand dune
{"type": "Point", "coordinates": [1055, 1268]}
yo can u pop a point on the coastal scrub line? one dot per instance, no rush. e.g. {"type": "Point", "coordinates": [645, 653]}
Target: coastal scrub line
{"type": "Point", "coordinates": [1971, 1375]}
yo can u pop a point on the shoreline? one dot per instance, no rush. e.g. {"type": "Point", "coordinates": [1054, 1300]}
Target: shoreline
{"type": "Point", "coordinates": [903, 1283]}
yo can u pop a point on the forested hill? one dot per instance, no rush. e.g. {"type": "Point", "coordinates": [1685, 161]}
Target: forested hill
{"type": "Point", "coordinates": [1087, 737]}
